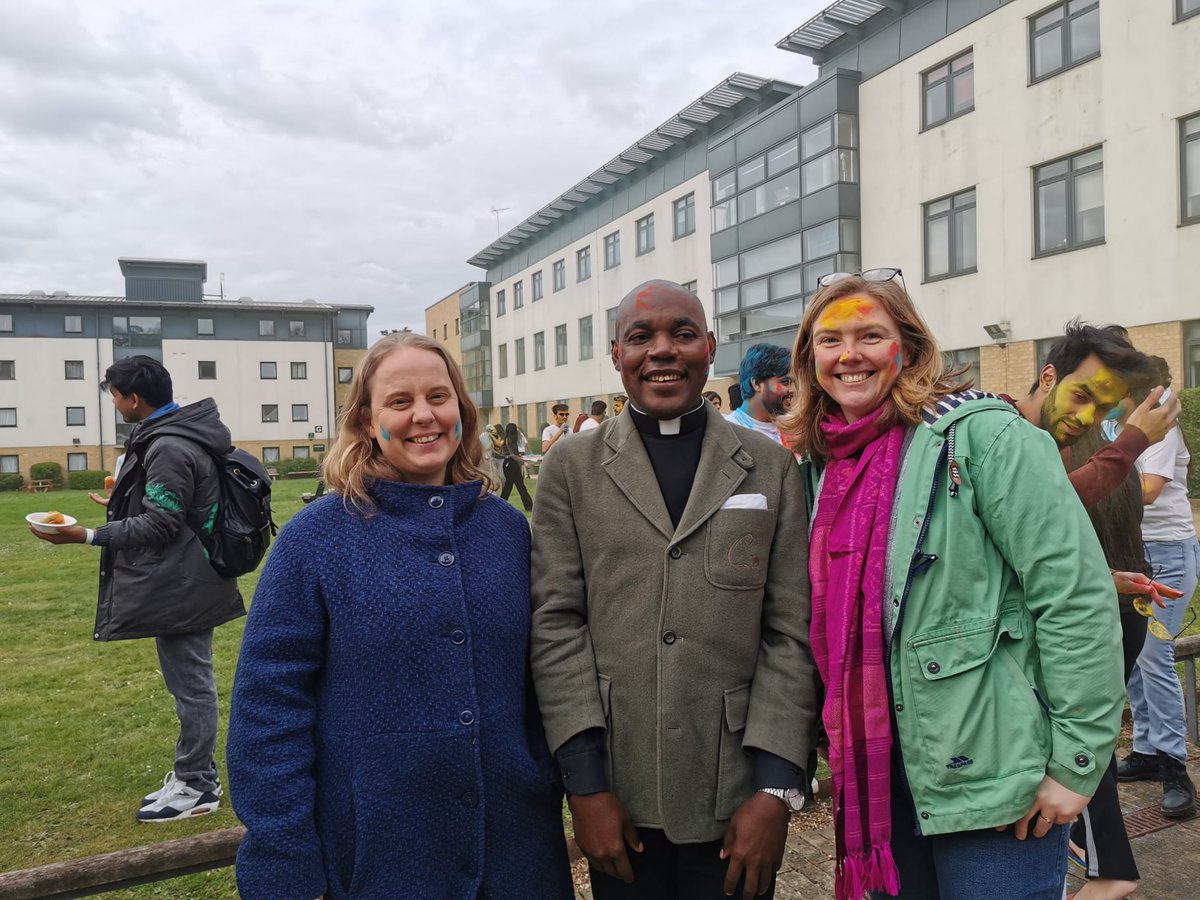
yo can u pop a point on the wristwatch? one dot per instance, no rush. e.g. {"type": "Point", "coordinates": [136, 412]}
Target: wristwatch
{"type": "Point", "coordinates": [793, 798]}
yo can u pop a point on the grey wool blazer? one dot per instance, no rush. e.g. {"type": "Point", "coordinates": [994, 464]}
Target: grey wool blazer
{"type": "Point", "coordinates": [686, 645]}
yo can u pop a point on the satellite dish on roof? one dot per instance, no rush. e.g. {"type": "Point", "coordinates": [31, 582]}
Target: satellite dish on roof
{"type": "Point", "coordinates": [61, 294]}
{"type": "Point", "coordinates": [37, 293]}
{"type": "Point", "coordinates": [309, 301]}
{"type": "Point", "coordinates": [245, 299]}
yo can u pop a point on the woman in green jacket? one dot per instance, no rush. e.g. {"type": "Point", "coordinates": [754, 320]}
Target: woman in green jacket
{"type": "Point", "coordinates": [963, 615]}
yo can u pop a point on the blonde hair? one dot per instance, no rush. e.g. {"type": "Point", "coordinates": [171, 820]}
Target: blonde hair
{"type": "Point", "coordinates": [355, 459]}
{"type": "Point", "coordinates": [923, 379]}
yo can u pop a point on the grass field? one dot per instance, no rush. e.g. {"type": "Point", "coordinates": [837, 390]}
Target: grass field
{"type": "Point", "coordinates": [87, 728]}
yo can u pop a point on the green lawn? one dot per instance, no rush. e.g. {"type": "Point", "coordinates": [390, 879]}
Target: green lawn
{"type": "Point", "coordinates": [88, 728]}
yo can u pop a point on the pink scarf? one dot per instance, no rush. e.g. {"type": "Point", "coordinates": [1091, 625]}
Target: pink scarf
{"type": "Point", "coordinates": [847, 562]}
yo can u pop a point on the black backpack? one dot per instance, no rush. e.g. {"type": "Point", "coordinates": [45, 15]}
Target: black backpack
{"type": "Point", "coordinates": [243, 528]}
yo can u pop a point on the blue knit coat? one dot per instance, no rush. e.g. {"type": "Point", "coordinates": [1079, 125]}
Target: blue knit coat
{"type": "Point", "coordinates": [383, 739]}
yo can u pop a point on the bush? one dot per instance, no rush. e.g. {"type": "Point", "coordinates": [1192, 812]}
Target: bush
{"type": "Point", "coordinates": [11, 482]}
{"type": "Point", "coordinates": [288, 466]}
{"type": "Point", "coordinates": [1189, 421]}
{"type": "Point", "coordinates": [86, 480]}
{"type": "Point", "coordinates": [47, 471]}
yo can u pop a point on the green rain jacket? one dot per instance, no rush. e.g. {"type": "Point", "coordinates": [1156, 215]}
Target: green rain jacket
{"type": "Point", "coordinates": [1005, 657]}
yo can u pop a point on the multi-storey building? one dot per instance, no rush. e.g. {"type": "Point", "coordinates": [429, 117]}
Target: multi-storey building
{"type": "Point", "coordinates": [1022, 162]}
{"type": "Point", "coordinates": [278, 371]}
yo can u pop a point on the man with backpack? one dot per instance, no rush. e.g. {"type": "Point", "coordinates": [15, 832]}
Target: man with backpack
{"type": "Point", "coordinates": [156, 577]}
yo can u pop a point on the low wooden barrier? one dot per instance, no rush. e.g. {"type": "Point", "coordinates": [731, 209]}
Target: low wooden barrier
{"type": "Point", "coordinates": [1186, 651]}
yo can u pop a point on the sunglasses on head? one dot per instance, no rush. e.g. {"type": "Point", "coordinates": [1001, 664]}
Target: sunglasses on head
{"type": "Point", "coordinates": [882, 274]}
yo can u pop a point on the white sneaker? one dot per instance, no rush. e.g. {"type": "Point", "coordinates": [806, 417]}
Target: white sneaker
{"type": "Point", "coordinates": [168, 780]}
{"type": "Point", "coordinates": [178, 801]}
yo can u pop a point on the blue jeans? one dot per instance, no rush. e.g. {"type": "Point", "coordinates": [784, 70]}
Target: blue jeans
{"type": "Point", "coordinates": [1155, 695]}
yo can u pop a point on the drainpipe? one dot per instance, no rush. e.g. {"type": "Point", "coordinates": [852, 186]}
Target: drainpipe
{"type": "Point", "coordinates": [99, 399]}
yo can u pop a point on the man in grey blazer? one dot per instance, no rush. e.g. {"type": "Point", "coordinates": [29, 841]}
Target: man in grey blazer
{"type": "Point", "coordinates": [670, 625]}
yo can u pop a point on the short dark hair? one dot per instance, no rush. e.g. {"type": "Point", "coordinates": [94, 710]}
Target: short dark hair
{"type": "Point", "coordinates": [735, 395]}
{"type": "Point", "coordinates": [763, 361]}
{"type": "Point", "coordinates": [1111, 344]}
{"type": "Point", "coordinates": [599, 407]}
{"type": "Point", "coordinates": [141, 375]}
{"type": "Point", "coordinates": [711, 396]}
{"type": "Point", "coordinates": [560, 408]}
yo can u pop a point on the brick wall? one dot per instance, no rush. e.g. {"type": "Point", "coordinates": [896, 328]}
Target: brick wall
{"type": "Point", "coordinates": [1010, 369]}
{"type": "Point", "coordinates": [1164, 339]}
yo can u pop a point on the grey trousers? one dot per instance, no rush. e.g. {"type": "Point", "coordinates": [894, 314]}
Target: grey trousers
{"type": "Point", "coordinates": [187, 669]}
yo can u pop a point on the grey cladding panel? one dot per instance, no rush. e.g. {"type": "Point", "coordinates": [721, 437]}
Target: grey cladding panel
{"type": "Point", "coordinates": [721, 158]}
{"type": "Point", "coordinates": [620, 203]}
{"type": "Point", "coordinates": [773, 128]}
{"type": "Point", "coordinates": [675, 171]}
{"type": "Point", "coordinates": [769, 226]}
{"type": "Point", "coordinates": [695, 160]}
{"type": "Point", "coordinates": [847, 61]}
{"type": "Point", "coordinates": [920, 28]}
{"type": "Point", "coordinates": [819, 103]}
{"type": "Point", "coordinates": [724, 243]}
{"type": "Point", "coordinates": [880, 50]}
{"type": "Point", "coordinates": [847, 90]}
{"type": "Point", "coordinates": [655, 183]}
{"type": "Point", "coordinates": [604, 211]}
{"type": "Point", "coordinates": [964, 12]}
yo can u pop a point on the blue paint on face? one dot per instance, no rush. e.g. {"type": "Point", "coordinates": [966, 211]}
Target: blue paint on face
{"type": "Point", "coordinates": [458, 430]}
{"type": "Point", "coordinates": [383, 433]}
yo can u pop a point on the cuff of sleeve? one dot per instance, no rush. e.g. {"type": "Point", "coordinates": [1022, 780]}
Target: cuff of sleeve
{"type": "Point", "coordinates": [99, 537]}
{"type": "Point", "coordinates": [771, 771]}
{"type": "Point", "coordinates": [582, 763]}
{"type": "Point", "coordinates": [1079, 775]}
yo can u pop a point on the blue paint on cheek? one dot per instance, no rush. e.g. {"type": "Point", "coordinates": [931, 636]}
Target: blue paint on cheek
{"type": "Point", "coordinates": [458, 430]}
{"type": "Point", "coordinates": [383, 433]}
{"type": "Point", "coordinates": [899, 361]}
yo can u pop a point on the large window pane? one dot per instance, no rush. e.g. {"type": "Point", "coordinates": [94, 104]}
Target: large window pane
{"type": "Point", "coordinates": [964, 91]}
{"type": "Point", "coordinates": [725, 272]}
{"type": "Point", "coordinates": [727, 299]}
{"type": "Point", "coordinates": [1089, 207]}
{"type": "Point", "coordinates": [1047, 52]}
{"type": "Point", "coordinates": [1191, 167]}
{"type": "Point", "coordinates": [936, 103]}
{"type": "Point", "coordinates": [754, 293]}
{"type": "Point", "coordinates": [752, 173]}
{"type": "Point", "coordinates": [1085, 35]}
{"type": "Point", "coordinates": [821, 240]}
{"type": "Point", "coordinates": [729, 328]}
{"type": "Point", "coordinates": [787, 283]}
{"type": "Point", "coordinates": [783, 157]}
{"type": "Point", "coordinates": [816, 139]}
{"type": "Point", "coordinates": [724, 186]}
{"type": "Point", "coordinates": [774, 317]}
{"type": "Point", "coordinates": [937, 247]}
{"type": "Point", "coordinates": [771, 257]}
{"type": "Point", "coordinates": [1052, 216]}
{"type": "Point", "coordinates": [964, 239]}
{"type": "Point", "coordinates": [723, 215]}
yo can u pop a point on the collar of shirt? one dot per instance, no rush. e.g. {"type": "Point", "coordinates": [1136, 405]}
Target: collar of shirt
{"type": "Point", "coordinates": [692, 420]}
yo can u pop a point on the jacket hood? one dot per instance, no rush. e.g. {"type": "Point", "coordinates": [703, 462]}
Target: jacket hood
{"type": "Point", "coordinates": [199, 422]}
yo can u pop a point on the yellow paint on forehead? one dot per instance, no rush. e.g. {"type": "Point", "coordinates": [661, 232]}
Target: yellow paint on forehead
{"type": "Point", "coordinates": [1108, 388]}
{"type": "Point", "coordinates": [842, 312]}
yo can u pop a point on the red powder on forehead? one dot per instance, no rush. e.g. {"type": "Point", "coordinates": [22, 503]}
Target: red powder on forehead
{"type": "Point", "coordinates": [644, 296]}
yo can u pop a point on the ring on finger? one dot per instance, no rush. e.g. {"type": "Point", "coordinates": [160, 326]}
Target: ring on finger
{"type": "Point", "coordinates": [1044, 819]}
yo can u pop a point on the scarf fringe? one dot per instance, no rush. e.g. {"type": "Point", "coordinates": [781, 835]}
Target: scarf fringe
{"type": "Point", "coordinates": [870, 870]}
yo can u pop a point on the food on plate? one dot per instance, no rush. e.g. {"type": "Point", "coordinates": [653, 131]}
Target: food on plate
{"type": "Point", "coordinates": [54, 517]}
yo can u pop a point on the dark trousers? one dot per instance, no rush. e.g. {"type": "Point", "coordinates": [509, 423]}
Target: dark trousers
{"type": "Point", "coordinates": [515, 477]}
{"type": "Point", "coordinates": [667, 871]}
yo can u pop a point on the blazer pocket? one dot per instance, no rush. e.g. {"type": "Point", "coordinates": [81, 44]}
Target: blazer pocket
{"type": "Point", "coordinates": [737, 548]}
{"type": "Point", "coordinates": [734, 772]}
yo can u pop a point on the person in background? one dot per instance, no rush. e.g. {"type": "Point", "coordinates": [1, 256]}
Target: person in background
{"type": "Point", "coordinates": [766, 389]}
{"type": "Point", "coordinates": [963, 622]}
{"type": "Point", "coordinates": [714, 398]}
{"type": "Point", "coordinates": [619, 401]}
{"type": "Point", "coordinates": [599, 407]}
{"type": "Point", "coordinates": [557, 429]}
{"type": "Point", "coordinates": [514, 466]}
{"type": "Point", "coordinates": [383, 737]}
{"type": "Point", "coordinates": [735, 395]}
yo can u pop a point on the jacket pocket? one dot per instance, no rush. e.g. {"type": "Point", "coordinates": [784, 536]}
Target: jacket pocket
{"type": "Point", "coordinates": [977, 716]}
{"type": "Point", "coordinates": [734, 772]}
{"type": "Point", "coordinates": [737, 547]}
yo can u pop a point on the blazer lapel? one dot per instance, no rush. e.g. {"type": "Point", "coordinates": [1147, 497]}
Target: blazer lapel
{"type": "Point", "coordinates": [722, 468]}
{"type": "Point", "coordinates": [630, 469]}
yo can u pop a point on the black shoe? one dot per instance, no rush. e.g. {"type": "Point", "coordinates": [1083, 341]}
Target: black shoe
{"type": "Point", "coordinates": [1179, 794]}
{"type": "Point", "coordinates": [1138, 767]}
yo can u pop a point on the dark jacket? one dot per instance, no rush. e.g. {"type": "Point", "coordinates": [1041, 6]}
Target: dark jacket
{"type": "Point", "coordinates": [155, 578]}
{"type": "Point", "coordinates": [383, 737]}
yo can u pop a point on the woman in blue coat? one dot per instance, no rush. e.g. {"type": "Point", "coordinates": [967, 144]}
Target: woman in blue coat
{"type": "Point", "coordinates": [383, 741]}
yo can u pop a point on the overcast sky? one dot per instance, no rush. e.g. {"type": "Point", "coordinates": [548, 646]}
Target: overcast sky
{"type": "Point", "coordinates": [348, 152]}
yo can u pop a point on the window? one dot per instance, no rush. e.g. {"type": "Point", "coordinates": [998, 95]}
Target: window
{"type": "Point", "coordinates": [72, 324]}
{"type": "Point", "coordinates": [1189, 167]}
{"type": "Point", "coordinates": [301, 453]}
{"type": "Point", "coordinates": [724, 210]}
{"type": "Point", "coordinates": [299, 412]}
{"type": "Point", "coordinates": [827, 153]}
{"type": "Point", "coordinates": [585, 337]}
{"type": "Point", "coordinates": [1069, 203]}
{"type": "Point", "coordinates": [8, 370]}
{"type": "Point", "coordinates": [768, 196]}
{"type": "Point", "coordinates": [270, 412]}
{"type": "Point", "coordinates": [560, 345]}
{"type": "Point", "coordinates": [299, 371]}
{"type": "Point", "coordinates": [445, 331]}
{"type": "Point", "coordinates": [1185, 9]}
{"type": "Point", "coordinates": [204, 326]}
{"type": "Point", "coordinates": [1062, 37]}
{"type": "Point", "coordinates": [8, 417]}
{"type": "Point", "coordinates": [539, 351]}
{"type": "Point", "coordinates": [518, 294]}
{"type": "Point", "coordinates": [270, 454]}
{"type": "Point", "coordinates": [751, 173]}
{"type": "Point", "coordinates": [10, 465]}
{"type": "Point", "coordinates": [611, 316]}
{"type": "Point", "coordinates": [560, 274]}
{"type": "Point", "coordinates": [266, 327]}
{"type": "Point", "coordinates": [519, 356]}
{"type": "Point", "coordinates": [6, 322]}
{"type": "Point", "coordinates": [456, 324]}
{"type": "Point", "coordinates": [207, 369]}
{"type": "Point", "coordinates": [612, 250]}
{"type": "Point", "coordinates": [73, 369]}
{"type": "Point", "coordinates": [689, 286]}
{"type": "Point", "coordinates": [535, 282]}
{"type": "Point", "coordinates": [296, 329]}
{"type": "Point", "coordinates": [76, 462]}
{"type": "Point", "coordinates": [956, 359]}
{"type": "Point", "coordinates": [948, 90]}
{"type": "Point", "coordinates": [685, 215]}
{"type": "Point", "coordinates": [502, 360]}
{"type": "Point", "coordinates": [343, 337]}
{"type": "Point", "coordinates": [345, 374]}
{"type": "Point", "coordinates": [645, 234]}
{"type": "Point", "coordinates": [950, 236]}
{"type": "Point", "coordinates": [76, 415]}
{"type": "Point", "coordinates": [583, 264]}
{"type": "Point", "coordinates": [500, 304]}
{"type": "Point", "coordinates": [267, 371]}
{"type": "Point", "coordinates": [783, 157]}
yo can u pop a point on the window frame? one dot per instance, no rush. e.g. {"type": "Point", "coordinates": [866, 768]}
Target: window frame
{"type": "Point", "coordinates": [558, 274]}
{"type": "Point", "coordinates": [643, 230]}
{"type": "Point", "coordinates": [266, 328]}
{"type": "Point", "coordinates": [6, 323]}
{"type": "Point", "coordinates": [299, 406]}
{"type": "Point", "coordinates": [587, 342]}
{"type": "Point", "coordinates": [297, 454]}
{"type": "Point", "coordinates": [16, 464]}
{"type": "Point", "coordinates": [536, 290]}
{"type": "Point", "coordinates": [583, 264]}
{"type": "Point", "coordinates": [561, 347]}
{"type": "Point", "coordinates": [9, 365]}
{"type": "Point", "coordinates": [200, 327]}
{"type": "Point", "coordinates": [76, 454]}
{"type": "Point", "coordinates": [950, 215]}
{"type": "Point", "coordinates": [947, 81]}
{"type": "Point", "coordinates": [1184, 140]}
{"type": "Point", "coordinates": [274, 376]}
{"type": "Point", "coordinates": [303, 376]}
{"type": "Point", "coordinates": [82, 411]}
{"type": "Point", "coordinates": [348, 370]}
{"type": "Point", "coordinates": [67, 376]}
{"type": "Point", "coordinates": [67, 323]}
{"type": "Point", "coordinates": [266, 417]}
{"type": "Point", "coordinates": [337, 337]}
{"type": "Point", "coordinates": [1064, 24]}
{"type": "Point", "coordinates": [4, 409]}
{"type": "Point", "coordinates": [278, 455]}
{"type": "Point", "coordinates": [612, 250]}
{"type": "Point", "coordinates": [687, 205]}
{"type": "Point", "coordinates": [519, 356]}
{"type": "Point", "coordinates": [501, 303]}
{"type": "Point", "coordinates": [295, 328]}
{"type": "Point", "coordinates": [539, 351]}
{"type": "Point", "coordinates": [502, 360]}
{"type": "Point", "coordinates": [200, 364]}
{"type": "Point", "coordinates": [1181, 15]}
{"type": "Point", "coordinates": [518, 295]}
{"type": "Point", "coordinates": [1069, 178]}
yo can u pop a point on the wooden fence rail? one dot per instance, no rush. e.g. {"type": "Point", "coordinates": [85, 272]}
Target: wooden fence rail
{"type": "Point", "coordinates": [1186, 651]}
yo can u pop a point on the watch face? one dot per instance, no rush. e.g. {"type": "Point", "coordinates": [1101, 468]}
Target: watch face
{"type": "Point", "coordinates": [794, 799]}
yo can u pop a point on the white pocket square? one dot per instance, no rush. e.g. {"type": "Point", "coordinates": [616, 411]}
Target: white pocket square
{"type": "Point", "coordinates": [746, 501]}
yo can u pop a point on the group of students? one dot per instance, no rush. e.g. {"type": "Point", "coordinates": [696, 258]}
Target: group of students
{"type": "Point", "coordinates": [421, 676]}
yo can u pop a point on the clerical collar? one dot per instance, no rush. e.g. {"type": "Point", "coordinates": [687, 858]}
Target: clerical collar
{"type": "Point", "coordinates": [692, 420]}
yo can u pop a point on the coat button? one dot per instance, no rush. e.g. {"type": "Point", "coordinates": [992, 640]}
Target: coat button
{"type": "Point", "coordinates": [437, 501]}
{"type": "Point", "coordinates": [675, 553]}
{"type": "Point", "coordinates": [458, 636]}
{"type": "Point", "coordinates": [899, 707]}
{"type": "Point", "coordinates": [1081, 760]}
{"type": "Point", "coordinates": [669, 637]}
{"type": "Point", "coordinates": [924, 815]}
{"type": "Point", "coordinates": [917, 522]}
{"type": "Point", "coordinates": [466, 717]}
{"type": "Point", "coordinates": [933, 668]}
{"type": "Point", "coordinates": [446, 559]}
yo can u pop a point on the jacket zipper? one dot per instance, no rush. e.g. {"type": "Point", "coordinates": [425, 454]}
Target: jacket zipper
{"type": "Point", "coordinates": [919, 560]}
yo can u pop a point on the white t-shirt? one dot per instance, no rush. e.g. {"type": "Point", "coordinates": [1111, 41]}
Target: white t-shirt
{"type": "Point", "coordinates": [588, 424]}
{"type": "Point", "coordinates": [548, 434]}
{"type": "Point", "coordinates": [770, 429]}
{"type": "Point", "coordinates": [1169, 518]}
